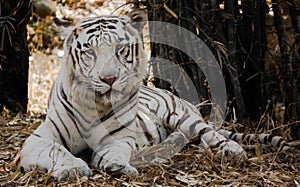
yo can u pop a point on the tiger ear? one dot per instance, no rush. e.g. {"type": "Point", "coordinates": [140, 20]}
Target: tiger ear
{"type": "Point", "coordinates": [64, 28]}
{"type": "Point", "coordinates": [62, 22]}
{"type": "Point", "coordinates": [138, 18]}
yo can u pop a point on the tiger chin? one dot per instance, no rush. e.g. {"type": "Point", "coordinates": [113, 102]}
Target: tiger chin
{"type": "Point", "coordinates": [98, 103]}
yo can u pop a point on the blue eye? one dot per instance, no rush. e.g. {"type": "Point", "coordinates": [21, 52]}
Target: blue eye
{"type": "Point", "coordinates": [90, 52]}
{"type": "Point", "coordinates": [88, 55]}
{"type": "Point", "coordinates": [120, 48]}
{"type": "Point", "coordinates": [124, 52]}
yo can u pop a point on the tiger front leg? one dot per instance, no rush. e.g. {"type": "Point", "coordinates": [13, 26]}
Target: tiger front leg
{"type": "Point", "coordinates": [49, 156]}
{"type": "Point", "coordinates": [208, 137]}
{"type": "Point", "coordinates": [114, 158]}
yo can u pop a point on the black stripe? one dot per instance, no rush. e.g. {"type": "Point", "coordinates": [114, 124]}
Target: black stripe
{"type": "Point", "coordinates": [153, 98]}
{"type": "Point", "coordinates": [61, 121]}
{"type": "Point", "coordinates": [98, 21]}
{"type": "Point", "coordinates": [131, 137]}
{"type": "Point", "coordinates": [74, 61]}
{"type": "Point", "coordinates": [136, 48]}
{"type": "Point", "coordinates": [36, 135]}
{"type": "Point", "coordinates": [193, 125]}
{"type": "Point", "coordinates": [203, 131]}
{"type": "Point", "coordinates": [68, 106]}
{"type": "Point", "coordinates": [126, 102]}
{"type": "Point", "coordinates": [58, 114]}
{"type": "Point", "coordinates": [148, 136]}
{"type": "Point", "coordinates": [145, 98]}
{"type": "Point", "coordinates": [110, 114]}
{"type": "Point", "coordinates": [77, 114]}
{"type": "Point", "coordinates": [127, 52]}
{"type": "Point", "coordinates": [52, 148]}
{"type": "Point", "coordinates": [154, 93]}
{"type": "Point", "coordinates": [90, 37]}
{"type": "Point", "coordinates": [111, 27]}
{"type": "Point", "coordinates": [78, 45]}
{"type": "Point", "coordinates": [279, 143]}
{"type": "Point", "coordinates": [125, 111]}
{"type": "Point", "coordinates": [91, 31]}
{"type": "Point", "coordinates": [77, 57]}
{"type": "Point", "coordinates": [243, 137]}
{"type": "Point", "coordinates": [265, 139]}
{"type": "Point", "coordinates": [60, 135]}
{"type": "Point", "coordinates": [218, 144]}
{"type": "Point", "coordinates": [85, 64]}
{"type": "Point", "coordinates": [232, 136]}
{"type": "Point", "coordinates": [115, 131]}
{"type": "Point", "coordinates": [101, 158]}
{"type": "Point", "coordinates": [182, 119]}
{"type": "Point", "coordinates": [247, 139]}
{"type": "Point", "coordinates": [127, 36]}
{"type": "Point", "coordinates": [270, 137]}
{"type": "Point", "coordinates": [86, 45]}
{"type": "Point", "coordinates": [45, 148]}
{"type": "Point", "coordinates": [122, 127]}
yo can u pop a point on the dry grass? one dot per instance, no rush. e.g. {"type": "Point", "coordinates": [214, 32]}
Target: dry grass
{"type": "Point", "coordinates": [189, 167]}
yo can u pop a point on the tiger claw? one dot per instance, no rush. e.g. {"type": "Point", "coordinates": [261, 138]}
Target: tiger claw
{"type": "Point", "coordinates": [233, 151]}
{"type": "Point", "coordinates": [71, 172]}
{"type": "Point", "coordinates": [116, 169]}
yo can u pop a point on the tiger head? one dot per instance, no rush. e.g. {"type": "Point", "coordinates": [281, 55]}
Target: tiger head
{"type": "Point", "coordinates": [106, 55]}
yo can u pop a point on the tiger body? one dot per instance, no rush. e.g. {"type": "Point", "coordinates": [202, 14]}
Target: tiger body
{"type": "Point", "coordinates": [98, 102]}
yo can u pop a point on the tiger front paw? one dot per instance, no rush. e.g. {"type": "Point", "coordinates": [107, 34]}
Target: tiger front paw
{"type": "Point", "coordinates": [117, 169]}
{"type": "Point", "coordinates": [71, 171]}
{"type": "Point", "coordinates": [232, 151]}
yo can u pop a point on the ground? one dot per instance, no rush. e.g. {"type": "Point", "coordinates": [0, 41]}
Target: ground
{"type": "Point", "coordinates": [191, 166]}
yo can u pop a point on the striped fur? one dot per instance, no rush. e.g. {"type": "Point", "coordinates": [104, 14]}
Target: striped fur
{"type": "Point", "coordinates": [98, 103]}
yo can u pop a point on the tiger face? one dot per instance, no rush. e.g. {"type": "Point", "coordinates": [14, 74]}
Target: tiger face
{"type": "Point", "coordinates": [107, 57]}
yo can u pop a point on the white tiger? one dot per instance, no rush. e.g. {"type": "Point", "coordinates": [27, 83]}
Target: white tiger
{"type": "Point", "coordinates": [98, 103]}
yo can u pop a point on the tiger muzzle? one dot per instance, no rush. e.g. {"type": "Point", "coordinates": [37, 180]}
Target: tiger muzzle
{"type": "Point", "coordinates": [110, 81]}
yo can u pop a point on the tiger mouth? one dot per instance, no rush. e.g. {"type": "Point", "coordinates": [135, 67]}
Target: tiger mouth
{"type": "Point", "coordinates": [109, 92]}
{"type": "Point", "coordinates": [102, 91]}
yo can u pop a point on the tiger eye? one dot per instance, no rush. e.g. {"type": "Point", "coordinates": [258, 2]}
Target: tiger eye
{"type": "Point", "coordinates": [90, 53]}
{"type": "Point", "coordinates": [119, 47]}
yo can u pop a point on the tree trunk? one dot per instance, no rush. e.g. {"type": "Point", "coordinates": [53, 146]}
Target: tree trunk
{"type": "Point", "coordinates": [291, 97]}
{"type": "Point", "coordinates": [294, 21]}
{"type": "Point", "coordinates": [232, 60]}
{"type": "Point", "coordinates": [252, 34]}
{"type": "Point", "coordinates": [14, 54]}
{"type": "Point", "coordinates": [173, 78]}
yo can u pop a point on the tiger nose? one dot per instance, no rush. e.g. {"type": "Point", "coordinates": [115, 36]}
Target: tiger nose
{"type": "Point", "coordinates": [109, 80]}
